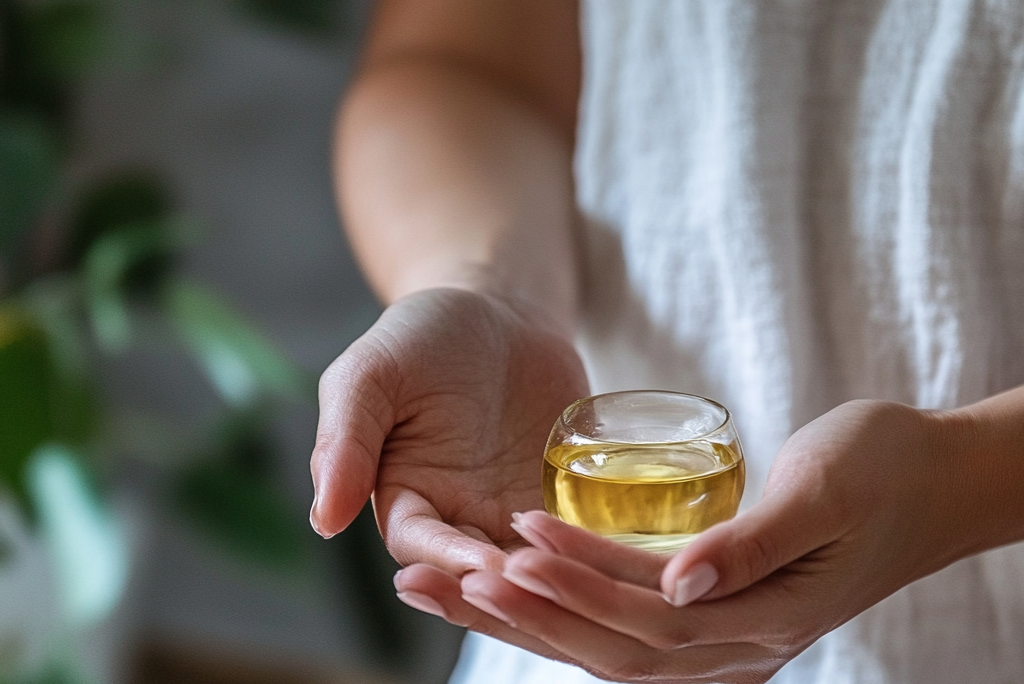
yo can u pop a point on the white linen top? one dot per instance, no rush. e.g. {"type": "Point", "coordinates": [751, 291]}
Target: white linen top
{"type": "Point", "coordinates": [794, 203]}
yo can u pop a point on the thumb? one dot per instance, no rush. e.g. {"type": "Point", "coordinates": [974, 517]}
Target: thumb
{"type": "Point", "coordinates": [734, 555]}
{"type": "Point", "coordinates": [357, 411]}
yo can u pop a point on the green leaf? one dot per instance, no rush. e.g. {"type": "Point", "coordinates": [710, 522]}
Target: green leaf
{"type": "Point", "coordinates": [127, 198]}
{"type": "Point", "coordinates": [317, 17]}
{"type": "Point", "coordinates": [24, 84]}
{"type": "Point", "coordinates": [66, 37]}
{"type": "Point", "coordinates": [240, 512]}
{"type": "Point", "coordinates": [76, 410]}
{"type": "Point", "coordinates": [110, 264]}
{"type": "Point", "coordinates": [26, 409]}
{"type": "Point", "coordinates": [40, 400]}
{"type": "Point", "coordinates": [86, 543]}
{"type": "Point", "coordinates": [53, 304]}
{"type": "Point", "coordinates": [244, 442]}
{"type": "Point", "coordinates": [54, 674]}
{"type": "Point", "coordinates": [28, 175]}
{"type": "Point", "coordinates": [240, 362]}
{"type": "Point", "coordinates": [229, 494]}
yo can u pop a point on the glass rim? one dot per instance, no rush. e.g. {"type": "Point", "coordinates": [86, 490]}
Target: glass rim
{"type": "Point", "coordinates": [726, 420]}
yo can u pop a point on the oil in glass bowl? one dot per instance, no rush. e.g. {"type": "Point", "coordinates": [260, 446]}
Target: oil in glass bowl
{"type": "Point", "coordinates": [653, 495]}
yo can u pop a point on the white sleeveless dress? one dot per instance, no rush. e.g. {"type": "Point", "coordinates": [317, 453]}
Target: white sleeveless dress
{"type": "Point", "coordinates": [794, 203]}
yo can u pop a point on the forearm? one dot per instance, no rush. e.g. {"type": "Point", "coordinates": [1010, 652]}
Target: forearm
{"type": "Point", "coordinates": [447, 179]}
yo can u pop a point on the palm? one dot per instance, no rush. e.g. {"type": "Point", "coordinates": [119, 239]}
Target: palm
{"type": "Point", "coordinates": [474, 388]}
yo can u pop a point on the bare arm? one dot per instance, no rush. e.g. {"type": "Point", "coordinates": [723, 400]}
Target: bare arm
{"type": "Point", "coordinates": [454, 173]}
{"type": "Point", "coordinates": [454, 150]}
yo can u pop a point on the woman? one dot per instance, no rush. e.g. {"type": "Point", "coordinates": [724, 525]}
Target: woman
{"type": "Point", "coordinates": [810, 211]}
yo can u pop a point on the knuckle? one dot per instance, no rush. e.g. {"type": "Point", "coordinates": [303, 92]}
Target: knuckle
{"type": "Point", "coordinates": [341, 371]}
{"type": "Point", "coordinates": [633, 669]}
{"type": "Point", "coordinates": [753, 677]}
{"type": "Point", "coordinates": [365, 445]}
{"type": "Point", "coordinates": [330, 374]}
{"type": "Point", "coordinates": [323, 450]}
{"type": "Point", "coordinates": [597, 672]}
{"type": "Point", "coordinates": [798, 634]}
{"type": "Point", "coordinates": [328, 382]}
{"type": "Point", "coordinates": [672, 638]}
{"type": "Point", "coordinates": [759, 558]}
{"type": "Point", "coordinates": [479, 625]}
{"type": "Point", "coordinates": [792, 635]}
{"type": "Point", "coordinates": [360, 362]}
{"type": "Point", "coordinates": [762, 672]}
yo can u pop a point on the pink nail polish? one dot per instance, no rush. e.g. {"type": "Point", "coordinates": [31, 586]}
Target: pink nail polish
{"type": "Point", "coordinates": [421, 602]}
{"type": "Point", "coordinates": [533, 537]}
{"type": "Point", "coordinates": [488, 607]}
{"type": "Point", "coordinates": [530, 583]}
{"type": "Point", "coordinates": [695, 583]}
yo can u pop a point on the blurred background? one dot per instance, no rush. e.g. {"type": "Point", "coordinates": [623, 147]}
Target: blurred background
{"type": "Point", "coordinates": [172, 281]}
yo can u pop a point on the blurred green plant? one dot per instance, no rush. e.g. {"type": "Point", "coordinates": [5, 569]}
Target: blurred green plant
{"type": "Point", "coordinates": [85, 268]}
{"type": "Point", "coordinates": [312, 17]}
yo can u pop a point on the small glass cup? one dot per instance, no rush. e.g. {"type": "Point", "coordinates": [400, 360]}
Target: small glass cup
{"type": "Point", "coordinates": [648, 468]}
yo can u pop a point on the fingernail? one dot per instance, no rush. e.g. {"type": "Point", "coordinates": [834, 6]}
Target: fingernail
{"type": "Point", "coordinates": [314, 520]}
{"type": "Point", "coordinates": [698, 581]}
{"type": "Point", "coordinates": [533, 537]}
{"type": "Point", "coordinates": [485, 605]}
{"type": "Point", "coordinates": [395, 579]}
{"type": "Point", "coordinates": [421, 602]}
{"type": "Point", "coordinates": [516, 517]}
{"type": "Point", "coordinates": [532, 584]}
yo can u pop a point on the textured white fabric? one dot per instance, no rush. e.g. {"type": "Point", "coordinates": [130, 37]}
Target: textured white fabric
{"type": "Point", "coordinates": [794, 203]}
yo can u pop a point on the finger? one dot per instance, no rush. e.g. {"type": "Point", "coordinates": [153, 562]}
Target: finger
{"type": "Point", "coordinates": [414, 532]}
{"type": "Point", "coordinates": [436, 592]}
{"type": "Point", "coordinates": [603, 651]}
{"type": "Point", "coordinates": [734, 555]}
{"type": "Point", "coordinates": [599, 648]}
{"type": "Point", "coordinates": [624, 607]}
{"type": "Point", "coordinates": [615, 560]}
{"type": "Point", "coordinates": [645, 615]}
{"type": "Point", "coordinates": [357, 399]}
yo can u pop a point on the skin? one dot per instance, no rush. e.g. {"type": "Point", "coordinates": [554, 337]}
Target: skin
{"type": "Point", "coordinates": [454, 175]}
{"type": "Point", "coordinates": [859, 503]}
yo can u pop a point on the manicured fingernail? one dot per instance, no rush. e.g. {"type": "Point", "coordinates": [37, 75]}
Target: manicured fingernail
{"type": "Point", "coordinates": [314, 519]}
{"type": "Point", "coordinates": [533, 537]}
{"type": "Point", "coordinates": [698, 581]}
{"type": "Point", "coordinates": [421, 602]}
{"type": "Point", "coordinates": [516, 517]}
{"type": "Point", "coordinates": [485, 605]}
{"type": "Point", "coordinates": [395, 579]}
{"type": "Point", "coordinates": [530, 583]}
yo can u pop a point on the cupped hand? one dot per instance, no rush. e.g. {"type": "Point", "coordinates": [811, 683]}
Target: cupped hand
{"type": "Point", "coordinates": [859, 503]}
{"type": "Point", "coordinates": [441, 411]}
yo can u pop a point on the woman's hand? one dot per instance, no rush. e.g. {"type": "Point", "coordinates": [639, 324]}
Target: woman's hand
{"type": "Point", "coordinates": [859, 503]}
{"type": "Point", "coordinates": [441, 411]}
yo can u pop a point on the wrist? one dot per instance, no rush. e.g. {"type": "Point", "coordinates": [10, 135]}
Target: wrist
{"type": "Point", "coordinates": [981, 449]}
{"type": "Point", "coordinates": [549, 305]}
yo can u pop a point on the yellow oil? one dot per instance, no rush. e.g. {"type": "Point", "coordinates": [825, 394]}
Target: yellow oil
{"type": "Point", "coordinates": [654, 497]}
